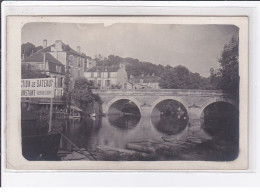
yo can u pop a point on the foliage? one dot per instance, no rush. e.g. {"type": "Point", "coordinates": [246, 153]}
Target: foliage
{"type": "Point", "coordinates": [28, 49]}
{"type": "Point", "coordinates": [180, 77]}
{"type": "Point", "coordinates": [116, 86]}
{"type": "Point", "coordinates": [229, 66]}
{"type": "Point", "coordinates": [29, 73]}
{"type": "Point", "coordinates": [133, 66]}
{"type": "Point", "coordinates": [171, 77]}
{"type": "Point", "coordinates": [215, 77]}
{"type": "Point", "coordinates": [227, 76]}
{"type": "Point", "coordinates": [81, 93]}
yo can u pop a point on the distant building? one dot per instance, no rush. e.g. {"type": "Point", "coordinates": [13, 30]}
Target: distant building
{"type": "Point", "coordinates": [89, 63]}
{"type": "Point", "coordinates": [106, 77]}
{"type": "Point", "coordinates": [54, 59]}
{"type": "Point", "coordinates": [143, 82]}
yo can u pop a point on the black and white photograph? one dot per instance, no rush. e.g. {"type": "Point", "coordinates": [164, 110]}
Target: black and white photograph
{"type": "Point", "coordinates": [135, 92]}
{"type": "Point", "coordinates": [143, 90]}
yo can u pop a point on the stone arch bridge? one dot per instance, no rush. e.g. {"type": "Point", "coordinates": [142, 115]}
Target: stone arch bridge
{"type": "Point", "coordinates": [195, 101]}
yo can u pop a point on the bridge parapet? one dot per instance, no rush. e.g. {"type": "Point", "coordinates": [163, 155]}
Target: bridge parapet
{"type": "Point", "coordinates": [161, 92]}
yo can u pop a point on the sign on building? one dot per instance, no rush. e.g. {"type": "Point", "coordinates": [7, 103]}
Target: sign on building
{"type": "Point", "coordinates": [38, 88]}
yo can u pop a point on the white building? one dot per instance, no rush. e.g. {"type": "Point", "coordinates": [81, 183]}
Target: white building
{"type": "Point", "coordinates": [107, 77]}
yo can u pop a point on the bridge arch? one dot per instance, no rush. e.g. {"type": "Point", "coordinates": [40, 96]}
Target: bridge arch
{"type": "Point", "coordinates": [175, 98]}
{"type": "Point", "coordinates": [214, 100]}
{"type": "Point", "coordinates": [108, 104]}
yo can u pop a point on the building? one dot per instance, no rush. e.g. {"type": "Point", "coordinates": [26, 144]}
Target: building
{"type": "Point", "coordinates": [143, 82]}
{"type": "Point", "coordinates": [55, 60]}
{"type": "Point", "coordinates": [89, 63]}
{"type": "Point", "coordinates": [107, 77]}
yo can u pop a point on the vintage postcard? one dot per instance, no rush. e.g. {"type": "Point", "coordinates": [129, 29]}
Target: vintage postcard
{"type": "Point", "coordinates": [127, 93]}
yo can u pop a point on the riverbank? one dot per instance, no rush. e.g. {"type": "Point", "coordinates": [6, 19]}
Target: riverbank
{"type": "Point", "coordinates": [157, 151]}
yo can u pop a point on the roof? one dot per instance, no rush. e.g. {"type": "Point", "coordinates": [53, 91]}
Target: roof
{"type": "Point", "coordinates": [102, 68]}
{"type": "Point", "coordinates": [72, 51]}
{"type": "Point", "coordinates": [38, 56]}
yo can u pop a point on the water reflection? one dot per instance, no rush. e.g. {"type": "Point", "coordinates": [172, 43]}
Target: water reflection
{"type": "Point", "coordinates": [93, 133]}
{"type": "Point", "coordinates": [81, 132]}
{"type": "Point", "coordinates": [169, 125]}
{"type": "Point", "coordinates": [221, 120]}
{"type": "Point", "coordinates": [124, 121]}
{"type": "Point", "coordinates": [169, 117]}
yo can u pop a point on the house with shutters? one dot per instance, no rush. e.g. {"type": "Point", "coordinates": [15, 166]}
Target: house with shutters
{"type": "Point", "coordinates": [107, 77]}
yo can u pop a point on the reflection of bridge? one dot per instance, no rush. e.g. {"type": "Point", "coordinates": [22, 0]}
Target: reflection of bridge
{"type": "Point", "coordinates": [195, 101]}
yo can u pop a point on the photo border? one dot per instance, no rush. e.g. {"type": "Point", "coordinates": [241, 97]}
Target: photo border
{"type": "Point", "coordinates": [16, 161]}
{"type": "Point", "coordinates": [194, 178]}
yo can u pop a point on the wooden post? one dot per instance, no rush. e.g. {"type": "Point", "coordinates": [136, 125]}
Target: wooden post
{"type": "Point", "coordinates": [50, 122]}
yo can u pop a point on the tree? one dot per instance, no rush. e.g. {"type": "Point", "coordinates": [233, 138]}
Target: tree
{"type": "Point", "coordinates": [82, 94]}
{"type": "Point", "coordinates": [176, 78]}
{"type": "Point", "coordinates": [28, 49]}
{"type": "Point", "coordinates": [215, 78]}
{"type": "Point", "coordinates": [227, 76]}
{"type": "Point", "coordinates": [229, 69]}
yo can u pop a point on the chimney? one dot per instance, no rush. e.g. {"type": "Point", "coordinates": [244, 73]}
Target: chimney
{"type": "Point", "coordinates": [58, 45]}
{"type": "Point", "coordinates": [44, 43]}
{"type": "Point", "coordinates": [78, 49]}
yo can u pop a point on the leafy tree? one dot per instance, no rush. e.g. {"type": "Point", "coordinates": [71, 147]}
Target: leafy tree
{"type": "Point", "coordinates": [180, 77]}
{"type": "Point", "coordinates": [28, 49]}
{"type": "Point", "coordinates": [176, 78]}
{"type": "Point", "coordinates": [114, 60]}
{"type": "Point", "coordinates": [215, 78]}
{"type": "Point", "coordinates": [227, 76]}
{"type": "Point", "coordinates": [229, 68]}
{"type": "Point", "coordinates": [82, 94]}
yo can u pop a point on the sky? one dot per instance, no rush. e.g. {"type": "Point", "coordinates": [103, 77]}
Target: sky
{"type": "Point", "coordinates": [196, 47]}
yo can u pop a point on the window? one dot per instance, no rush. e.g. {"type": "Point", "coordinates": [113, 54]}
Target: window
{"type": "Point", "coordinates": [108, 75]}
{"type": "Point", "coordinates": [92, 74]}
{"type": "Point", "coordinates": [99, 82]}
{"type": "Point", "coordinates": [56, 82]}
{"type": "Point", "coordinates": [61, 82]}
{"type": "Point", "coordinates": [58, 69]}
{"type": "Point", "coordinates": [99, 74]}
{"type": "Point", "coordinates": [79, 61]}
{"type": "Point", "coordinates": [107, 83]}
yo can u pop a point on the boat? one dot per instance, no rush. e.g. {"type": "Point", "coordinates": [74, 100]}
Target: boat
{"type": "Point", "coordinates": [93, 115]}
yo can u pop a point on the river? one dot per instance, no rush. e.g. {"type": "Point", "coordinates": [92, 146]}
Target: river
{"type": "Point", "coordinates": [128, 137]}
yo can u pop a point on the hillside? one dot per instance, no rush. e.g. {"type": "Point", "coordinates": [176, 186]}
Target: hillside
{"type": "Point", "coordinates": [178, 77]}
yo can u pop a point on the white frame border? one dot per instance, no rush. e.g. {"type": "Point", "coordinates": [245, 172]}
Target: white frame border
{"type": "Point", "coordinates": [140, 8]}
